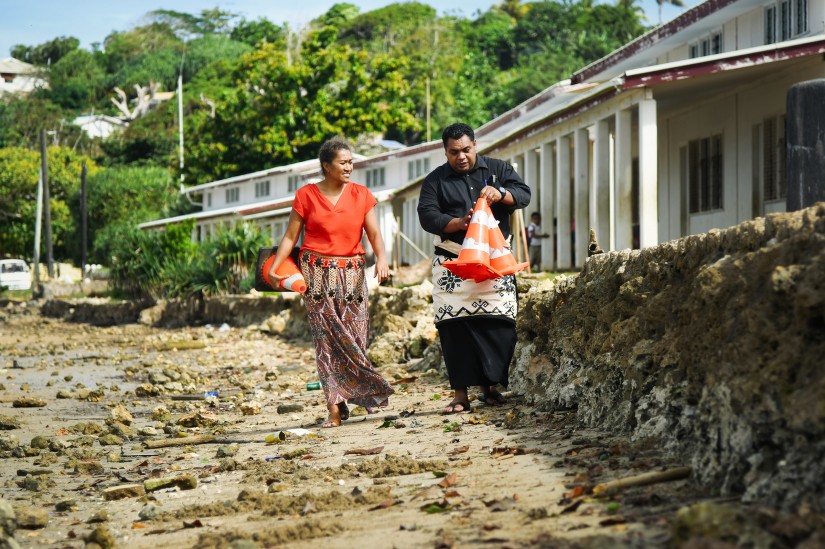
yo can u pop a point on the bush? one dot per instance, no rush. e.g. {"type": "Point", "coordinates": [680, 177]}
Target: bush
{"type": "Point", "coordinates": [166, 264]}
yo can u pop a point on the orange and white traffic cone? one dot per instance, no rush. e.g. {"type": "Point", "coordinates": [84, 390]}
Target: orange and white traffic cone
{"type": "Point", "coordinates": [501, 258]}
{"type": "Point", "coordinates": [474, 258]}
{"type": "Point", "coordinates": [295, 282]}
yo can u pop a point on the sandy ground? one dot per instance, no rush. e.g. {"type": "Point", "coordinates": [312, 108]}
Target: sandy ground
{"type": "Point", "coordinates": [496, 500]}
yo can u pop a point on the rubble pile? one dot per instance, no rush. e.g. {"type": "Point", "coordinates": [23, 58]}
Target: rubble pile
{"type": "Point", "coordinates": [711, 346]}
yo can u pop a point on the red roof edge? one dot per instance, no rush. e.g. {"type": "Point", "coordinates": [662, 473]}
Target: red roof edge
{"type": "Point", "coordinates": [729, 63]}
{"type": "Point", "coordinates": [650, 38]}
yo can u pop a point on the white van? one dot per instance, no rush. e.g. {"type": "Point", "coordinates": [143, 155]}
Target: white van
{"type": "Point", "coordinates": [14, 274]}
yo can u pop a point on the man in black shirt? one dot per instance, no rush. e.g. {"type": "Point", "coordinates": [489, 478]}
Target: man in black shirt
{"type": "Point", "coordinates": [475, 320]}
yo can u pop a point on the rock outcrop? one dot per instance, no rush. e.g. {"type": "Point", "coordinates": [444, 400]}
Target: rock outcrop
{"type": "Point", "coordinates": [711, 345]}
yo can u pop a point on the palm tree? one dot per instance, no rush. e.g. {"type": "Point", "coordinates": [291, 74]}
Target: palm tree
{"type": "Point", "coordinates": [678, 3]}
{"type": "Point", "coordinates": [632, 7]}
{"type": "Point", "coordinates": [513, 8]}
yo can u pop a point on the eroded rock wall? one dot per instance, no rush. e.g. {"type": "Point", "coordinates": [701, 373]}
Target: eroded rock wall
{"type": "Point", "coordinates": [712, 344]}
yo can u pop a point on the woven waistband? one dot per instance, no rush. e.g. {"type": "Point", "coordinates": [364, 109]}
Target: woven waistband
{"type": "Point", "coordinates": [332, 261]}
{"type": "Point", "coordinates": [322, 256]}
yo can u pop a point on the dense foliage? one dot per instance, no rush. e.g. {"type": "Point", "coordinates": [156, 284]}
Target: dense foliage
{"type": "Point", "coordinates": [167, 264]}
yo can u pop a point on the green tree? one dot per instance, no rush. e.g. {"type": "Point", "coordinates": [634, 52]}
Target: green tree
{"type": "Point", "coordinates": [48, 52]}
{"type": "Point", "coordinates": [254, 32]}
{"type": "Point", "coordinates": [118, 199]}
{"type": "Point", "coordinates": [76, 80]}
{"type": "Point", "coordinates": [338, 15]}
{"type": "Point", "coordinates": [19, 172]}
{"type": "Point", "coordinates": [513, 8]}
{"type": "Point", "coordinates": [22, 117]}
{"type": "Point", "coordinates": [210, 21]}
{"type": "Point", "coordinates": [122, 46]}
{"type": "Point", "coordinates": [677, 3]}
{"type": "Point", "coordinates": [207, 49]}
{"type": "Point", "coordinates": [279, 113]}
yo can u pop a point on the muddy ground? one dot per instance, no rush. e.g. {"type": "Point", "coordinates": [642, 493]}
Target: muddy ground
{"type": "Point", "coordinates": [515, 477]}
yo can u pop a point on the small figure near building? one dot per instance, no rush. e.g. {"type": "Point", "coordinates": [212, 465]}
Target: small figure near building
{"type": "Point", "coordinates": [534, 237]}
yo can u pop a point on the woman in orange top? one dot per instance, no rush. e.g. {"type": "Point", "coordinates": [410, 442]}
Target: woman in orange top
{"type": "Point", "coordinates": [335, 212]}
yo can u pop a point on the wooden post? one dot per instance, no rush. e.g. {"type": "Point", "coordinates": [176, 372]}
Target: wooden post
{"type": "Point", "coordinates": [523, 239]}
{"type": "Point", "coordinates": [397, 243]}
{"type": "Point", "coordinates": [44, 168]}
{"type": "Point", "coordinates": [37, 224]}
{"type": "Point", "coordinates": [83, 225]}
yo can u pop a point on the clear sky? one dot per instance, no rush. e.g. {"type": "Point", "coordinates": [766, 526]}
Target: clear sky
{"type": "Point", "coordinates": [30, 23]}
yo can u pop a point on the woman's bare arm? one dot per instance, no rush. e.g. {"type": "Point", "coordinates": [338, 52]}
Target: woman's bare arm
{"type": "Point", "coordinates": [382, 270]}
{"type": "Point", "coordinates": [293, 231]}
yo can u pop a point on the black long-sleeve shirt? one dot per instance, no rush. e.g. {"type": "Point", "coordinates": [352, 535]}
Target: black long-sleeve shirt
{"type": "Point", "coordinates": [447, 194]}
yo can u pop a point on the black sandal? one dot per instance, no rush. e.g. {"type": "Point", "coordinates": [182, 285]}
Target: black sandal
{"type": "Point", "coordinates": [453, 404]}
{"type": "Point", "coordinates": [343, 411]}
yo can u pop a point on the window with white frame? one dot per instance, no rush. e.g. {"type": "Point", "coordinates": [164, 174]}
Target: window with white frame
{"type": "Point", "coordinates": [785, 20]}
{"type": "Point", "coordinates": [233, 195]}
{"type": "Point", "coordinates": [417, 168]}
{"type": "Point", "coordinates": [703, 168]}
{"type": "Point", "coordinates": [208, 200]}
{"type": "Point", "coordinates": [376, 177]}
{"type": "Point", "coordinates": [261, 189]}
{"type": "Point", "coordinates": [710, 44]}
{"type": "Point", "coordinates": [293, 183]}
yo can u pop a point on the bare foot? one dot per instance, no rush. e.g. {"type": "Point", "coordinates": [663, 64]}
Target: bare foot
{"type": "Point", "coordinates": [334, 419]}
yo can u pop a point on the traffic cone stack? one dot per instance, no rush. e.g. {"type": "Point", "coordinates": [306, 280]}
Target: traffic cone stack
{"type": "Point", "coordinates": [474, 258]}
{"type": "Point", "coordinates": [295, 282]}
{"type": "Point", "coordinates": [501, 258]}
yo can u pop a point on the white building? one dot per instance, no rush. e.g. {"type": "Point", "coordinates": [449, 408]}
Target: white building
{"type": "Point", "coordinates": [99, 125]}
{"type": "Point", "coordinates": [678, 132]}
{"type": "Point", "coordinates": [18, 76]}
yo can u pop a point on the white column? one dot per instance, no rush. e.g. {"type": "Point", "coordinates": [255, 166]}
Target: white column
{"type": "Point", "coordinates": [648, 175]}
{"type": "Point", "coordinates": [546, 202]}
{"type": "Point", "coordinates": [531, 177]}
{"type": "Point", "coordinates": [581, 184]}
{"type": "Point", "coordinates": [624, 180]}
{"type": "Point", "coordinates": [601, 183]}
{"type": "Point", "coordinates": [563, 200]}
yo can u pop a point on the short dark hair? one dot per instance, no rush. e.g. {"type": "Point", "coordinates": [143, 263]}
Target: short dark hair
{"type": "Point", "coordinates": [329, 151]}
{"type": "Point", "coordinates": [457, 131]}
{"type": "Point", "coordinates": [535, 214]}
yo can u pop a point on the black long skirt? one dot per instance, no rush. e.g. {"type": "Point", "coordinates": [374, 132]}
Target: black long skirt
{"type": "Point", "coordinates": [477, 350]}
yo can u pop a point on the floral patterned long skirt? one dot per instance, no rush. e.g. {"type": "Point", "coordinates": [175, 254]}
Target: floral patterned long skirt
{"type": "Point", "coordinates": [336, 302]}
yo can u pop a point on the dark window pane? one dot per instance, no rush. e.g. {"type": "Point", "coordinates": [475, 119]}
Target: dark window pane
{"type": "Point", "coordinates": [769, 151]}
{"type": "Point", "coordinates": [716, 174]}
{"type": "Point", "coordinates": [704, 174]}
{"type": "Point", "coordinates": [693, 175]}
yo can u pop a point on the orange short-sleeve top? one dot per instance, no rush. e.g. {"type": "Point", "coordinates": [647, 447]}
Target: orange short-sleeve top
{"type": "Point", "coordinates": [334, 230]}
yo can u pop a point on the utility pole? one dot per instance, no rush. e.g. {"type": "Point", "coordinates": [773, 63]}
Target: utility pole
{"type": "Point", "coordinates": [83, 225]}
{"type": "Point", "coordinates": [180, 123]}
{"type": "Point", "coordinates": [38, 217]}
{"type": "Point", "coordinates": [44, 169]}
{"type": "Point", "coordinates": [428, 109]}
{"type": "Point", "coordinates": [288, 39]}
